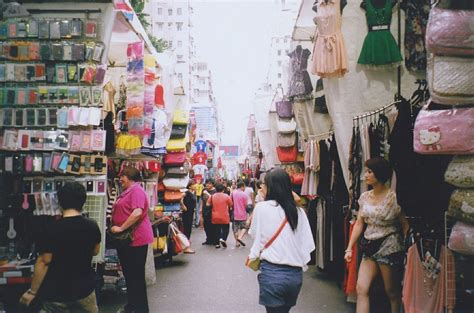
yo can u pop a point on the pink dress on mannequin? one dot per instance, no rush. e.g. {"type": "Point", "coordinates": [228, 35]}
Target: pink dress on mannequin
{"type": "Point", "coordinates": [329, 52]}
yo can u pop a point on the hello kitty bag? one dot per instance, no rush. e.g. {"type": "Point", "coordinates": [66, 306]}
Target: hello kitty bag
{"type": "Point", "coordinates": [444, 131]}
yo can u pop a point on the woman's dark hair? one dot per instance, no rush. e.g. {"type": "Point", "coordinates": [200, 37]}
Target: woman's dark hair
{"type": "Point", "coordinates": [381, 168]}
{"type": "Point", "coordinates": [72, 196]}
{"type": "Point", "coordinates": [220, 187]}
{"type": "Point", "coordinates": [240, 184]}
{"type": "Point", "coordinates": [258, 184]}
{"type": "Point", "coordinates": [278, 184]}
{"type": "Point", "coordinates": [190, 183]}
{"type": "Point", "coordinates": [131, 173]}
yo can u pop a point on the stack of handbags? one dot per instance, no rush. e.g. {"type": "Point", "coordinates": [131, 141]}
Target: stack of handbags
{"type": "Point", "coordinates": [450, 44]}
{"type": "Point", "coordinates": [286, 138]}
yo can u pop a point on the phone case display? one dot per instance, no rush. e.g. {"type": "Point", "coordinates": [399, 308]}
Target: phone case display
{"type": "Point", "coordinates": [50, 118]}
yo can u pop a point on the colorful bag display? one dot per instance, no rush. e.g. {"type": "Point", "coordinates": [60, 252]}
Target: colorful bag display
{"type": "Point", "coordinates": [461, 205]}
{"type": "Point", "coordinates": [178, 131]}
{"type": "Point", "coordinates": [175, 183]}
{"type": "Point", "coordinates": [176, 145]}
{"type": "Point", "coordinates": [461, 239]}
{"type": "Point", "coordinates": [173, 195]}
{"type": "Point", "coordinates": [286, 140]}
{"type": "Point", "coordinates": [181, 117]}
{"type": "Point", "coordinates": [284, 109]}
{"type": "Point", "coordinates": [287, 154]}
{"type": "Point", "coordinates": [286, 125]}
{"type": "Point", "coordinates": [444, 131]}
{"type": "Point", "coordinates": [460, 171]}
{"type": "Point", "coordinates": [450, 79]}
{"type": "Point", "coordinates": [177, 171]}
{"type": "Point", "coordinates": [453, 40]}
{"type": "Point", "coordinates": [174, 158]}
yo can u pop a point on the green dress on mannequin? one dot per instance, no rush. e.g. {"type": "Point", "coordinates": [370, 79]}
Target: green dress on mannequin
{"type": "Point", "coordinates": [379, 46]}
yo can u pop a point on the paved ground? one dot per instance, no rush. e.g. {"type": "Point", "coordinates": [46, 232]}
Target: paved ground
{"type": "Point", "coordinates": [216, 280]}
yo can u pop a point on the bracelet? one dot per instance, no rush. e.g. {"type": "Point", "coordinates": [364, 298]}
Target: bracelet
{"type": "Point", "coordinates": [31, 292]}
{"type": "Point", "coordinates": [348, 251]}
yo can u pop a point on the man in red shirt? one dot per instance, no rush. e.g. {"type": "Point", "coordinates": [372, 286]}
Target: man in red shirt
{"type": "Point", "coordinates": [221, 204]}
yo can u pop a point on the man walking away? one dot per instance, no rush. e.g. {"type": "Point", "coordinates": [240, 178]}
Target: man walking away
{"type": "Point", "coordinates": [206, 213]}
{"type": "Point", "coordinates": [63, 277]}
{"type": "Point", "coordinates": [239, 198]}
{"type": "Point", "coordinates": [221, 205]}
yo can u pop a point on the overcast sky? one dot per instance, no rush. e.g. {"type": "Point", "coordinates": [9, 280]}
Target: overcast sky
{"type": "Point", "coordinates": [234, 38]}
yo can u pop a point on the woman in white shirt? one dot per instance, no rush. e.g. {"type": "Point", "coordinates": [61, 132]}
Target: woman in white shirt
{"type": "Point", "coordinates": [285, 259]}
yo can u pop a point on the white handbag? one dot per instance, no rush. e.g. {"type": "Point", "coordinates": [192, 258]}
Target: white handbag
{"type": "Point", "coordinates": [286, 140]}
{"type": "Point", "coordinates": [286, 125]}
{"type": "Point", "coordinates": [460, 171]}
{"type": "Point", "coordinates": [450, 79]}
{"type": "Point", "coordinates": [176, 183]}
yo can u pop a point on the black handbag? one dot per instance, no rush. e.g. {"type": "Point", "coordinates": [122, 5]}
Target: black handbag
{"type": "Point", "coordinates": [178, 131]}
{"type": "Point", "coordinates": [370, 247]}
{"type": "Point", "coordinates": [120, 240]}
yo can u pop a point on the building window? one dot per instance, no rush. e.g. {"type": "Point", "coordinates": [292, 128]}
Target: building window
{"type": "Point", "coordinates": [180, 76]}
{"type": "Point", "coordinates": [279, 63]}
{"type": "Point", "coordinates": [179, 11]}
{"type": "Point", "coordinates": [180, 44]}
{"type": "Point", "coordinates": [170, 12]}
{"type": "Point", "coordinates": [160, 11]}
{"type": "Point", "coordinates": [285, 40]}
{"type": "Point", "coordinates": [159, 26]}
{"type": "Point", "coordinates": [277, 40]}
{"type": "Point", "coordinates": [179, 26]}
{"type": "Point", "coordinates": [287, 51]}
{"type": "Point", "coordinates": [279, 85]}
{"type": "Point", "coordinates": [180, 58]}
{"type": "Point", "coordinates": [170, 44]}
{"type": "Point", "coordinates": [170, 25]}
{"type": "Point", "coordinates": [279, 75]}
{"type": "Point", "coordinates": [279, 52]}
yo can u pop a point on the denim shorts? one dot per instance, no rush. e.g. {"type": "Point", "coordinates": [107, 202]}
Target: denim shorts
{"type": "Point", "coordinates": [279, 284]}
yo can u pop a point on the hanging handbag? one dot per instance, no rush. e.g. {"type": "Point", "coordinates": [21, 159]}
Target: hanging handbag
{"type": "Point", "coordinates": [461, 205]}
{"type": "Point", "coordinates": [174, 183]}
{"type": "Point", "coordinates": [461, 239]}
{"type": "Point", "coordinates": [286, 140]}
{"type": "Point", "coordinates": [177, 171]}
{"type": "Point", "coordinates": [178, 131]}
{"type": "Point", "coordinates": [176, 145]}
{"type": "Point", "coordinates": [174, 158]}
{"type": "Point", "coordinates": [286, 125]}
{"type": "Point", "coordinates": [255, 263]}
{"type": "Point", "coordinates": [450, 79]}
{"type": "Point", "coordinates": [297, 178]}
{"type": "Point", "coordinates": [287, 154]}
{"type": "Point", "coordinates": [453, 40]}
{"type": "Point", "coordinates": [173, 195]}
{"type": "Point", "coordinates": [180, 117]}
{"type": "Point", "coordinates": [460, 171]}
{"type": "Point", "coordinates": [444, 131]}
{"type": "Point", "coordinates": [179, 238]}
{"type": "Point", "coordinates": [284, 109]}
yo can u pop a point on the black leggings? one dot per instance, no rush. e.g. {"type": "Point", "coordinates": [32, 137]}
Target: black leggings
{"type": "Point", "coordinates": [278, 309]}
{"type": "Point", "coordinates": [133, 261]}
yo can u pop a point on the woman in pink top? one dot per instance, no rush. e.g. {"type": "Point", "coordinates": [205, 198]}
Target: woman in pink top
{"type": "Point", "coordinates": [239, 200]}
{"type": "Point", "coordinates": [131, 210]}
{"type": "Point", "coordinates": [221, 203]}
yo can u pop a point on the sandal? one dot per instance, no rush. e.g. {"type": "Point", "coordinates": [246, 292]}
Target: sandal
{"type": "Point", "coordinates": [241, 242]}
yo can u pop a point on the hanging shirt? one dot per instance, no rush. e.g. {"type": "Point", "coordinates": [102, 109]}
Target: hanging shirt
{"type": "Point", "coordinates": [291, 248]}
{"type": "Point", "coordinates": [199, 158]}
{"type": "Point", "coordinates": [200, 145]}
{"type": "Point", "coordinates": [159, 125]}
{"type": "Point", "coordinates": [199, 189]}
{"type": "Point", "coordinates": [199, 169]}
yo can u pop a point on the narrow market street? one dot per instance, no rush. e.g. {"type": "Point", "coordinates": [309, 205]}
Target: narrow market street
{"type": "Point", "coordinates": [216, 280]}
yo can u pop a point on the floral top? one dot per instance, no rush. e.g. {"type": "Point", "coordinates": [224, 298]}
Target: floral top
{"type": "Point", "coordinates": [416, 19]}
{"type": "Point", "coordinates": [381, 219]}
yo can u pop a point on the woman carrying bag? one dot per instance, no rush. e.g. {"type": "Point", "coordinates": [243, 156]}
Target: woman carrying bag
{"type": "Point", "coordinates": [130, 212]}
{"type": "Point", "coordinates": [283, 242]}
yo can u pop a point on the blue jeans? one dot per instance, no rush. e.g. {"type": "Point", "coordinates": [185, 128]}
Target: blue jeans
{"type": "Point", "coordinates": [279, 284]}
{"type": "Point", "coordinates": [197, 212]}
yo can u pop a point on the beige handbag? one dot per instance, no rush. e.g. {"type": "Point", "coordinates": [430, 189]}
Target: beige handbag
{"type": "Point", "coordinates": [461, 205]}
{"type": "Point", "coordinates": [460, 171]}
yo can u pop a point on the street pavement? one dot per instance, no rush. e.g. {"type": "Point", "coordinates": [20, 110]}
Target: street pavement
{"type": "Point", "coordinates": [216, 280]}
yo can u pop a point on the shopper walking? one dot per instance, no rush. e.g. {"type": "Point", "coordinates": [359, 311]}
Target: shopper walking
{"type": "Point", "coordinates": [188, 205]}
{"type": "Point", "coordinates": [206, 213]}
{"type": "Point", "coordinates": [131, 210]}
{"type": "Point", "coordinates": [221, 204]}
{"type": "Point", "coordinates": [260, 194]}
{"type": "Point", "coordinates": [285, 259]}
{"type": "Point", "coordinates": [239, 200]}
{"type": "Point", "coordinates": [381, 244]}
{"type": "Point", "coordinates": [63, 277]}
{"type": "Point", "coordinates": [251, 196]}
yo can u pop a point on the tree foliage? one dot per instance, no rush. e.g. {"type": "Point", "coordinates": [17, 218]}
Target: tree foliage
{"type": "Point", "coordinates": [138, 6]}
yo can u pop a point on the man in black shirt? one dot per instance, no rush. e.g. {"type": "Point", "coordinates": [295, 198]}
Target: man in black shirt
{"type": "Point", "coordinates": [63, 278]}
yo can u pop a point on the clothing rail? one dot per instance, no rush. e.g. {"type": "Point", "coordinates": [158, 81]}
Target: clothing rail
{"type": "Point", "coordinates": [372, 113]}
{"type": "Point", "coordinates": [321, 135]}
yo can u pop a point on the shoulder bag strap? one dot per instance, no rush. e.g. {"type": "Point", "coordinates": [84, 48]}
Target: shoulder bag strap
{"type": "Point", "coordinates": [269, 243]}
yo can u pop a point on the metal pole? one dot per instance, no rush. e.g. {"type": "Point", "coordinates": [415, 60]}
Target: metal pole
{"type": "Point", "coordinates": [399, 69]}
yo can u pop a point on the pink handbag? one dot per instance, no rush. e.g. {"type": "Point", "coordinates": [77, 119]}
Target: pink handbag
{"type": "Point", "coordinates": [449, 32]}
{"type": "Point", "coordinates": [447, 131]}
{"type": "Point", "coordinates": [461, 239]}
{"type": "Point", "coordinates": [284, 109]}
